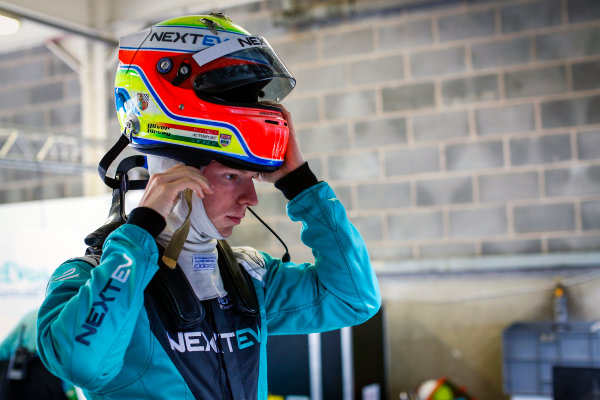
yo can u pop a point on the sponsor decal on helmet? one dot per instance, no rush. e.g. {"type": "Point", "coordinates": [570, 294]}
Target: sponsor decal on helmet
{"type": "Point", "coordinates": [224, 139]}
{"type": "Point", "coordinates": [143, 99]}
{"type": "Point", "coordinates": [190, 134]}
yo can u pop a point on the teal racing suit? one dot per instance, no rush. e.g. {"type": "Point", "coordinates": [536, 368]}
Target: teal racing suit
{"type": "Point", "coordinates": [98, 330]}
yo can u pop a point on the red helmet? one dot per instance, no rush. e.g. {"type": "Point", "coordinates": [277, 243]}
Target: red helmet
{"type": "Point", "coordinates": [198, 88]}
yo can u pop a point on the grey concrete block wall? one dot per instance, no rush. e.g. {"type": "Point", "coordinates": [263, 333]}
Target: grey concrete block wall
{"type": "Point", "coordinates": [505, 119]}
{"type": "Point", "coordinates": [505, 187]}
{"type": "Point", "coordinates": [470, 90]}
{"type": "Point", "coordinates": [588, 144]}
{"type": "Point", "coordinates": [438, 62]}
{"type": "Point", "coordinates": [405, 34]}
{"type": "Point", "coordinates": [541, 149]}
{"type": "Point", "coordinates": [412, 161]}
{"type": "Point", "coordinates": [562, 45]}
{"type": "Point", "coordinates": [535, 82]}
{"type": "Point", "coordinates": [544, 218]}
{"type": "Point", "coordinates": [583, 10]}
{"type": "Point", "coordinates": [500, 53]}
{"type": "Point", "coordinates": [533, 15]}
{"type": "Point", "coordinates": [435, 126]}
{"type": "Point", "coordinates": [464, 25]}
{"type": "Point", "coordinates": [380, 132]}
{"type": "Point", "coordinates": [586, 75]}
{"type": "Point", "coordinates": [571, 112]}
{"type": "Point", "coordinates": [487, 108]}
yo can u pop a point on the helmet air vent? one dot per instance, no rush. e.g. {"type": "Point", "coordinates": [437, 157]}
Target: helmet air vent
{"type": "Point", "coordinates": [211, 25]}
{"type": "Point", "coordinates": [220, 15]}
{"type": "Point", "coordinates": [184, 72]}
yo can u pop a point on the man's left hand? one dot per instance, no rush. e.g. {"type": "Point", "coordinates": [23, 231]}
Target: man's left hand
{"type": "Point", "coordinates": [293, 156]}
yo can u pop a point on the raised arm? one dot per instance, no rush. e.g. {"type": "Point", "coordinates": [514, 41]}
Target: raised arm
{"type": "Point", "coordinates": [340, 288]}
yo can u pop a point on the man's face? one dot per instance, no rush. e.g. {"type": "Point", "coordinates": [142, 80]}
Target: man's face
{"type": "Point", "coordinates": [233, 193]}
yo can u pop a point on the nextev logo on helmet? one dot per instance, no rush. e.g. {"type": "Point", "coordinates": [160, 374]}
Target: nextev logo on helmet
{"type": "Point", "coordinates": [100, 307]}
{"type": "Point", "coordinates": [251, 41]}
{"type": "Point", "coordinates": [187, 38]}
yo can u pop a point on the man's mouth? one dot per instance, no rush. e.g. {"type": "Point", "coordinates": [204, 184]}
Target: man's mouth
{"type": "Point", "coordinates": [235, 220]}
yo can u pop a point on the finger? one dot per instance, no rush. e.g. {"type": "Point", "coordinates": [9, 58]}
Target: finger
{"type": "Point", "coordinates": [163, 188]}
{"type": "Point", "coordinates": [182, 173]}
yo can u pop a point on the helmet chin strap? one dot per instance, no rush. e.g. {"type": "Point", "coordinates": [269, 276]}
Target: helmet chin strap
{"type": "Point", "coordinates": [177, 241]}
{"type": "Point", "coordinates": [127, 164]}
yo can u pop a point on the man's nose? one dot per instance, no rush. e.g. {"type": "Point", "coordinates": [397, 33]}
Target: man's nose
{"type": "Point", "coordinates": [248, 195]}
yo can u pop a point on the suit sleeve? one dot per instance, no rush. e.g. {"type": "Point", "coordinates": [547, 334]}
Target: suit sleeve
{"type": "Point", "coordinates": [340, 289]}
{"type": "Point", "coordinates": [89, 314]}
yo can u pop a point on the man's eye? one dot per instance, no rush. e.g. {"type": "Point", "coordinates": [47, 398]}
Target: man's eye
{"type": "Point", "coordinates": [231, 177]}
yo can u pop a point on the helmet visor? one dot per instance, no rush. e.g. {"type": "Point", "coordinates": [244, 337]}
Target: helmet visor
{"type": "Point", "coordinates": [244, 70]}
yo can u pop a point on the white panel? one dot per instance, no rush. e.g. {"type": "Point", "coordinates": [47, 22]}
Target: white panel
{"type": "Point", "coordinates": [36, 238]}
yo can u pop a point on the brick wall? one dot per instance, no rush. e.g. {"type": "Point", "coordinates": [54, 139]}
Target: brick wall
{"type": "Point", "coordinates": [463, 129]}
{"type": "Point", "coordinates": [38, 94]}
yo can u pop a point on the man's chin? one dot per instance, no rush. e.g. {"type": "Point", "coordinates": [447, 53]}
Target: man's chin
{"type": "Point", "coordinates": [226, 232]}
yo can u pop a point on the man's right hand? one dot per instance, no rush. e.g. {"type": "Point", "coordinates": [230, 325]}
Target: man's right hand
{"type": "Point", "coordinates": [163, 188]}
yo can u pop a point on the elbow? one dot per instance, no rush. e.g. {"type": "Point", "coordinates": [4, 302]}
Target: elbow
{"type": "Point", "coordinates": [371, 303]}
{"type": "Point", "coordinates": [79, 369]}
{"type": "Point", "coordinates": [372, 297]}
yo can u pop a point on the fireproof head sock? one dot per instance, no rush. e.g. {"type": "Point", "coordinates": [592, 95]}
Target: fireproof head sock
{"type": "Point", "coordinates": [198, 257]}
{"type": "Point", "coordinates": [201, 226]}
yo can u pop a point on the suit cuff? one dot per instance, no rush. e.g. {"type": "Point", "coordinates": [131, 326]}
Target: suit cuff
{"type": "Point", "coordinates": [148, 219]}
{"type": "Point", "coordinates": [296, 181]}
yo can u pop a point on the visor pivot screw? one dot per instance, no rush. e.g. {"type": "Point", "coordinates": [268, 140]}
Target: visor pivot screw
{"type": "Point", "coordinates": [128, 129]}
{"type": "Point", "coordinates": [132, 125]}
{"type": "Point", "coordinates": [183, 73]}
{"type": "Point", "coordinates": [181, 106]}
{"type": "Point", "coordinates": [164, 65]}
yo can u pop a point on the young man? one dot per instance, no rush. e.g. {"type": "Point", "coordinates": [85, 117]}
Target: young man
{"type": "Point", "coordinates": [170, 312]}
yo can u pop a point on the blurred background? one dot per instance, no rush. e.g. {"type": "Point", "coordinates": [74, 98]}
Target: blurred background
{"type": "Point", "coordinates": [463, 137]}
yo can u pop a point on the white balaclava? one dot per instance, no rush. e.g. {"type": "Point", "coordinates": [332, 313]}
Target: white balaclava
{"type": "Point", "coordinates": [198, 258]}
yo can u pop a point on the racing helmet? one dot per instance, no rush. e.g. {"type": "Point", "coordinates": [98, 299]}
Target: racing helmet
{"type": "Point", "coordinates": [199, 88]}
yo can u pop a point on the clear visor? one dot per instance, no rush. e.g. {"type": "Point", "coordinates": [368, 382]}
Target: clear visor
{"type": "Point", "coordinates": [244, 70]}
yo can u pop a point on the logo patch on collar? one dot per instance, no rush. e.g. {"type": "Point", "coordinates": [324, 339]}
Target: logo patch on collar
{"type": "Point", "coordinates": [224, 302]}
{"type": "Point", "coordinates": [204, 262]}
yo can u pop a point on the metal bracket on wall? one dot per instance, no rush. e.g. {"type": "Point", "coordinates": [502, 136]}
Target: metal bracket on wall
{"type": "Point", "coordinates": [32, 150]}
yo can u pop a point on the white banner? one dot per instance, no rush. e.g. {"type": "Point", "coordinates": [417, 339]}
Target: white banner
{"type": "Point", "coordinates": [35, 238]}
